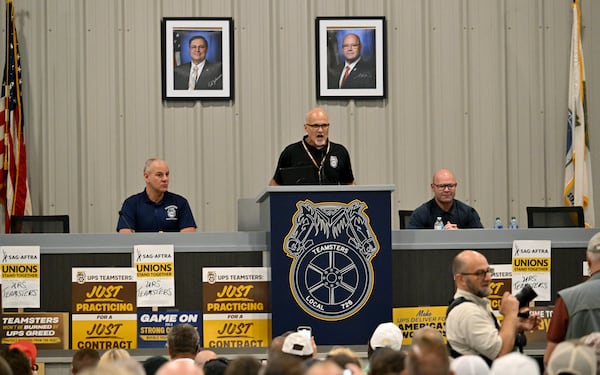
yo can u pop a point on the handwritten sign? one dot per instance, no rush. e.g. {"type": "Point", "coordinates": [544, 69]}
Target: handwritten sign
{"type": "Point", "coordinates": [20, 276]}
{"type": "Point", "coordinates": [531, 265]}
{"type": "Point", "coordinates": [236, 307]}
{"type": "Point", "coordinates": [155, 268]}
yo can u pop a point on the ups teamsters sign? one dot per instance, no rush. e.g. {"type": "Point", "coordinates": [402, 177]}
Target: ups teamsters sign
{"type": "Point", "coordinates": [104, 308]}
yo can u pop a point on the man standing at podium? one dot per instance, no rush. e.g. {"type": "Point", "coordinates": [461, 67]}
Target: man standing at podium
{"type": "Point", "coordinates": [314, 160]}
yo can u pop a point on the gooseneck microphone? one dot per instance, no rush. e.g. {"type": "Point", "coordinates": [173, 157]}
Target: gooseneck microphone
{"type": "Point", "coordinates": [128, 226]}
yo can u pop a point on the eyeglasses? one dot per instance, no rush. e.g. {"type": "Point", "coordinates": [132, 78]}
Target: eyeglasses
{"type": "Point", "coordinates": [480, 273]}
{"type": "Point", "coordinates": [317, 126]}
{"type": "Point", "coordinates": [445, 186]}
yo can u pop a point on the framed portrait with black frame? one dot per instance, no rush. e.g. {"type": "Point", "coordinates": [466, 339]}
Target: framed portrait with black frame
{"type": "Point", "coordinates": [197, 58]}
{"type": "Point", "coordinates": [351, 59]}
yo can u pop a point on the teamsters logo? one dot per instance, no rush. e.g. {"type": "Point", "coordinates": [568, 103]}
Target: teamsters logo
{"type": "Point", "coordinates": [332, 246]}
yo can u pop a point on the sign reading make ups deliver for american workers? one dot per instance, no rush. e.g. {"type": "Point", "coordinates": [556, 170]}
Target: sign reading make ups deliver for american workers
{"type": "Point", "coordinates": [103, 307]}
{"type": "Point", "coordinates": [236, 307]}
{"type": "Point", "coordinates": [155, 268]}
{"type": "Point", "coordinates": [20, 276]}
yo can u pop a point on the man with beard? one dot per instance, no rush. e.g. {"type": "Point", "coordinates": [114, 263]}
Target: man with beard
{"type": "Point", "coordinates": [454, 213]}
{"type": "Point", "coordinates": [471, 327]}
{"type": "Point", "coordinates": [314, 160]}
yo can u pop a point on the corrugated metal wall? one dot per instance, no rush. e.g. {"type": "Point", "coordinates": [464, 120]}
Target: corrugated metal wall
{"type": "Point", "coordinates": [477, 86]}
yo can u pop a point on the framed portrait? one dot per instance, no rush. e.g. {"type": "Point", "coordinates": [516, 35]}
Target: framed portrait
{"type": "Point", "coordinates": [197, 58]}
{"type": "Point", "coordinates": [350, 57]}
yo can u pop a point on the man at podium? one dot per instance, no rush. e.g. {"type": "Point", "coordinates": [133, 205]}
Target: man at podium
{"type": "Point", "coordinates": [314, 160]}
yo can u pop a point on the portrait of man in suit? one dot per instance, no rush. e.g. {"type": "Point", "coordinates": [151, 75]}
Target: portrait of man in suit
{"type": "Point", "coordinates": [350, 69]}
{"type": "Point", "coordinates": [199, 73]}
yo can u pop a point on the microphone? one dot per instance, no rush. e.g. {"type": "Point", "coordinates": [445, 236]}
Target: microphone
{"type": "Point", "coordinates": [128, 226]}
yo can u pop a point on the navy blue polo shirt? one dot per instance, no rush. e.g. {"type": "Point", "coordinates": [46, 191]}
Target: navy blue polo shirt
{"type": "Point", "coordinates": [171, 214]}
{"type": "Point", "coordinates": [461, 214]}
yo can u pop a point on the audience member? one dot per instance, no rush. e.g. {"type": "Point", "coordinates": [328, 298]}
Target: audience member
{"type": "Point", "coordinates": [342, 356]}
{"type": "Point", "coordinates": [4, 367]}
{"type": "Point", "coordinates": [572, 357]}
{"type": "Point", "coordinates": [84, 358]}
{"type": "Point", "coordinates": [180, 366]}
{"type": "Point", "coordinates": [204, 356]}
{"type": "Point", "coordinates": [18, 362]}
{"type": "Point", "coordinates": [471, 327]}
{"type": "Point", "coordinates": [325, 367]}
{"type": "Point", "coordinates": [515, 363]}
{"type": "Point", "coordinates": [112, 355]}
{"type": "Point", "coordinates": [183, 341]}
{"type": "Point", "coordinates": [454, 213]}
{"type": "Point", "coordinates": [152, 364]}
{"type": "Point", "coordinates": [386, 335]}
{"type": "Point", "coordinates": [156, 209]}
{"type": "Point", "coordinates": [577, 309]}
{"type": "Point", "coordinates": [299, 345]}
{"type": "Point", "coordinates": [280, 363]}
{"type": "Point", "coordinates": [428, 356]}
{"type": "Point", "coordinates": [386, 361]}
{"type": "Point", "coordinates": [215, 366]}
{"type": "Point", "coordinates": [244, 365]}
{"type": "Point", "coordinates": [314, 160]}
{"type": "Point", "coordinates": [277, 343]}
{"type": "Point", "coordinates": [469, 365]}
{"type": "Point", "coordinates": [29, 349]}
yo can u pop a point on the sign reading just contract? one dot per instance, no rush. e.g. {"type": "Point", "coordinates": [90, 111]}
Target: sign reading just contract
{"type": "Point", "coordinates": [104, 308]}
{"type": "Point", "coordinates": [236, 307]}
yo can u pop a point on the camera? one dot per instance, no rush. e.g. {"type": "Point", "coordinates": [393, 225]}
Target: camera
{"type": "Point", "coordinates": [525, 295]}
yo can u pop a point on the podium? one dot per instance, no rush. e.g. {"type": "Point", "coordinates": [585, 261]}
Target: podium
{"type": "Point", "coordinates": [330, 258]}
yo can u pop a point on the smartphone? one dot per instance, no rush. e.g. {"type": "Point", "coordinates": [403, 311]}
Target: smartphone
{"type": "Point", "coordinates": [305, 330]}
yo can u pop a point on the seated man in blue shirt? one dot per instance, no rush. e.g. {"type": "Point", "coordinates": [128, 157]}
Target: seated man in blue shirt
{"type": "Point", "coordinates": [454, 213]}
{"type": "Point", "coordinates": [155, 209]}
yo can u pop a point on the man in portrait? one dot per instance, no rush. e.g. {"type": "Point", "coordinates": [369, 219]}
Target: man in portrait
{"type": "Point", "coordinates": [199, 73]}
{"type": "Point", "coordinates": [355, 72]}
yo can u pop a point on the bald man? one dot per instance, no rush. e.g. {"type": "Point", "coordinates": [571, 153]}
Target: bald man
{"type": "Point", "coordinates": [314, 160]}
{"type": "Point", "coordinates": [355, 72]}
{"type": "Point", "coordinates": [454, 213]}
{"type": "Point", "coordinates": [471, 327]}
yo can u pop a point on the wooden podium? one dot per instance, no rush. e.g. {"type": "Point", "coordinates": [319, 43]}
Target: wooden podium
{"type": "Point", "coordinates": [330, 258]}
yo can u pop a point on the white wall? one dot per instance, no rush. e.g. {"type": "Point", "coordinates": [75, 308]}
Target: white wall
{"type": "Point", "coordinates": [479, 87]}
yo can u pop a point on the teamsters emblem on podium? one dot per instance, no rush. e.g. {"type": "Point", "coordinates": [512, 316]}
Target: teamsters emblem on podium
{"type": "Point", "coordinates": [332, 246]}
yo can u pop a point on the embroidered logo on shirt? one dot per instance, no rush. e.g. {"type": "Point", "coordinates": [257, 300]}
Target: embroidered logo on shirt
{"type": "Point", "coordinates": [171, 212]}
{"type": "Point", "coordinates": [333, 161]}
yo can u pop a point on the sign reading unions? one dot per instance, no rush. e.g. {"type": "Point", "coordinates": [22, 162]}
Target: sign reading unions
{"type": "Point", "coordinates": [20, 276]}
{"type": "Point", "coordinates": [332, 246]}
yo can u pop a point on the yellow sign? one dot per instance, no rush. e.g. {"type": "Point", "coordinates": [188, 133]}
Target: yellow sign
{"type": "Point", "coordinates": [531, 264]}
{"type": "Point", "coordinates": [46, 330]}
{"type": "Point", "coordinates": [236, 330]}
{"type": "Point", "coordinates": [411, 319]}
{"type": "Point", "coordinates": [104, 331]}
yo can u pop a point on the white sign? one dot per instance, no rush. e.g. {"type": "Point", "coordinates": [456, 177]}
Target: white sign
{"type": "Point", "coordinates": [20, 276]}
{"type": "Point", "coordinates": [531, 265]}
{"type": "Point", "coordinates": [155, 266]}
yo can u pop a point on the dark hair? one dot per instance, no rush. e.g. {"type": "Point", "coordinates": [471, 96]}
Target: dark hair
{"type": "Point", "coordinates": [386, 361]}
{"type": "Point", "coordinates": [216, 366]}
{"type": "Point", "coordinates": [198, 37]}
{"type": "Point", "coordinates": [244, 365]}
{"type": "Point", "coordinates": [152, 364]}
{"type": "Point", "coordinates": [84, 358]}
{"type": "Point", "coordinates": [183, 339]}
{"type": "Point", "coordinates": [18, 362]}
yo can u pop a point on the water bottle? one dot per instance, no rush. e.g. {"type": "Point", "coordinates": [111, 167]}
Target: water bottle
{"type": "Point", "coordinates": [439, 224]}
{"type": "Point", "coordinates": [513, 223]}
{"type": "Point", "coordinates": [498, 224]}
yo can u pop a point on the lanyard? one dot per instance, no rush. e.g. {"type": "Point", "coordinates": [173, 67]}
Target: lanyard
{"type": "Point", "coordinates": [319, 167]}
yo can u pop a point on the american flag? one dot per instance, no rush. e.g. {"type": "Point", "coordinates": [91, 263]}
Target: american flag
{"type": "Point", "coordinates": [14, 189]}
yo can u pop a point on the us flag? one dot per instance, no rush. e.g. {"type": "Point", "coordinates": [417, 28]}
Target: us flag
{"type": "Point", "coordinates": [14, 189]}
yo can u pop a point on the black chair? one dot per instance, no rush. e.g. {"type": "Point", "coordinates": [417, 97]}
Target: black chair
{"type": "Point", "coordinates": [404, 218]}
{"type": "Point", "coordinates": [40, 224]}
{"type": "Point", "coordinates": [555, 217]}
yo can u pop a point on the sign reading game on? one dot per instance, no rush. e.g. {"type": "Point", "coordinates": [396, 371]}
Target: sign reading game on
{"type": "Point", "coordinates": [20, 276]}
{"type": "Point", "coordinates": [236, 307]}
{"type": "Point", "coordinates": [153, 326]}
{"type": "Point", "coordinates": [155, 268]}
{"type": "Point", "coordinates": [104, 309]}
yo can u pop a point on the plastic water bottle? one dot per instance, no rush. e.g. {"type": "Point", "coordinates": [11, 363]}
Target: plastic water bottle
{"type": "Point", "coordinates": [513, 223]}
{"type": "Point", "coordinates": [439, 224]}
{"type": "Point", "coordinates": [498, 223]}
